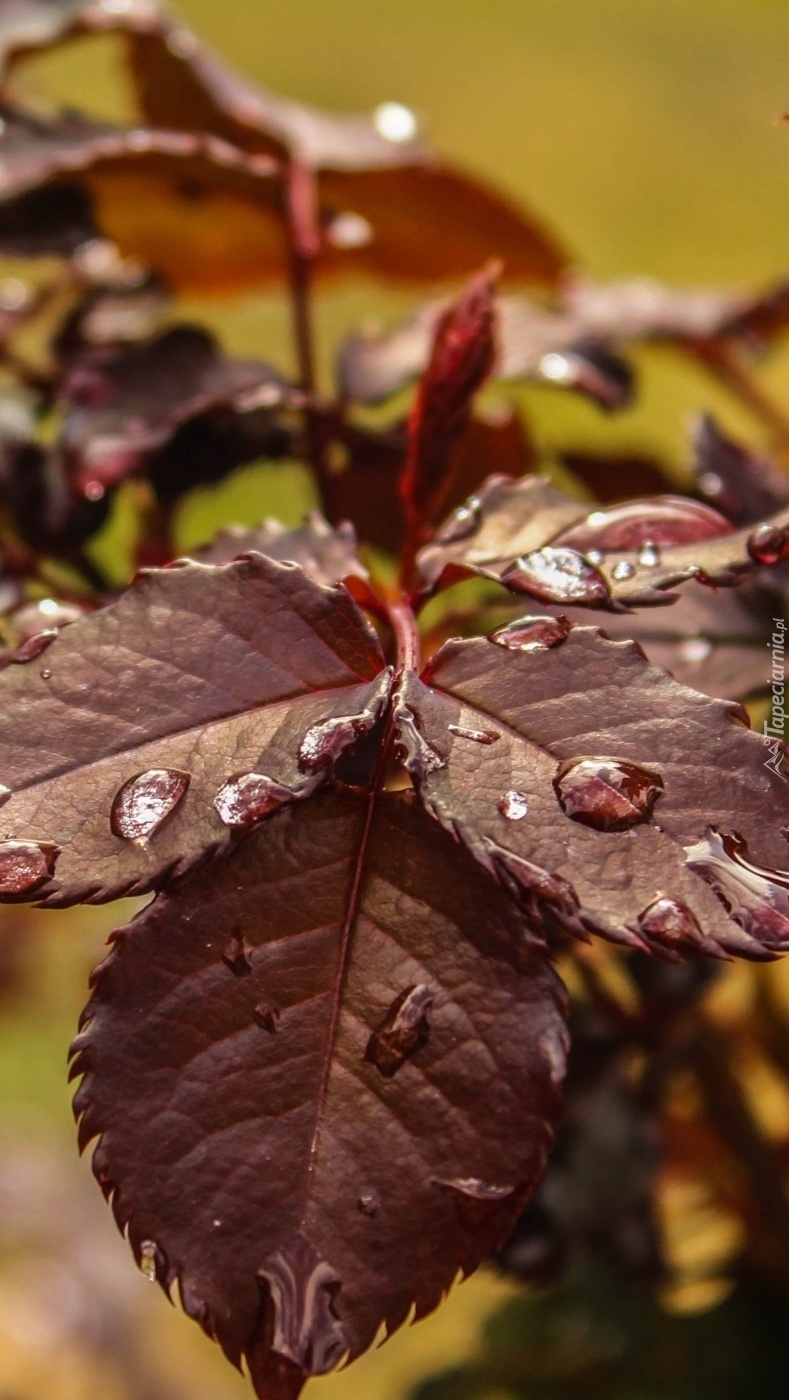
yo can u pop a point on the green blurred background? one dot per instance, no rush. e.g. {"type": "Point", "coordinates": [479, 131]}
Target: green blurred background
{"type": "Point", "coordinates": [647, 134]}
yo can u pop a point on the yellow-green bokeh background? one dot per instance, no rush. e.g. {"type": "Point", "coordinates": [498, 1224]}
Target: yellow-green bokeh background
{"type": "Point", "coordinates": [647, 133]}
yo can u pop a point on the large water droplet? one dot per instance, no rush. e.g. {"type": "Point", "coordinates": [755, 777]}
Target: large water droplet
{"type": "Point", "coordinates": [150, 1260]}
{"type": "Point", "coordinates": [33, 647]}
{"type": "Point", "coordinates": [478, 1203]}
{"type": "Point", "coordinates": [300, 1289]}
{"type": "Point", "coordinates": [645, 524]}
{"type": "Point", "coordinates": [649, 555]}
{"type": "Point", "coordinates": [325, 742]}
{"type": "Point", "coordinates": [557, 576]}
{"type": "Point", "coordinates": [476, 736]}
{"type": "Point", "coordinates": [514, 805]}
{"type": "Point", "coordinates": [670, 924]}
{"type": "Point", "coordinates": [248, 798]}
{"type": "Point", "coordinates": [24, 866]}
{"type": "Point", "coordinates": [608, 794]}
{"type": "Point", "coordinates": [418, 756]}
{"type": "Point", "coordinates": [238, 956]}
{"type": "Point", "coordinates": [756, 896]}
{"type": "Point", "coordinates": [267, 1016]}
{"type": "Point", "coordinates": [767, 544]}
{"type": "Point", "coordinates": [533, 633]}
{"type": "Point", "coordinates": [404, 1031]}
{"type": "Point", "coordinates": [369, 1204]}
{"type": "Point", "coordinates": [143, 803]}
{"type": "Point", "coordinates": [462, 523]}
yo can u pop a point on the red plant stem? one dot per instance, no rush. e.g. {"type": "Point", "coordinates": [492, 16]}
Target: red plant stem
{"type": "Point", "coordinates": [304, 240]}
{"type": "Point", "coordinates": [728, 367]}
{"type": "Point", "coordinates": [406, 631]}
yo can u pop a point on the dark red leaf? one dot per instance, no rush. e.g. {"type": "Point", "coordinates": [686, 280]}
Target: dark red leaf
{"type": "Point", "coordinates": [123, 406]}
{"type": "Point", "coordinates": [461, 360]}
{"type": "Point", "coordinates": [183, 675]}
{"type": "Point", "coordinates": [299, 1189]}
{"type": "Point", "coordinates": [328, 555]}
{"type": "Point", "coordinates": [556, 766]}
{"type": "Point", "coordinates": [740, 483]}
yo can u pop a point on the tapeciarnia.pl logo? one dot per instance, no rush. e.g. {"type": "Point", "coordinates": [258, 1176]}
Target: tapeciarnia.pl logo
{"type": "Point", "coordinates": [775, 724]}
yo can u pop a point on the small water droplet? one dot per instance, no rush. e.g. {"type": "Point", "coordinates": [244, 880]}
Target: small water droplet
{"type": "Point", "coordinates": [695, 649]}
{"type": "Point", "coordinates": [369, 1204]}
{"type": "Point", "coordinates": [710, 484]}
{"type": "Point", "coordinates": [395, 122]}
{"type": "Point", "coordinates": [462, 523]}
{"type": "Point", "coordinates": [533, 633]}
{"type": "Point", "coordinates": [350, 230]}
{"type": "Point", "coordinates": [756, 897]}
{"type": "Point", "coordinates": [476, 736]}
{"type": "Point", "coordinates": [46, 674]}
{"type": "Point", "coordinates": [33, 647]}
{"type": "Point", "coordinates": [768, 545]}
{"type": "Point", "coordinates": [150, 1260]}
{"type": "Point", "coordinates": [267, 1016]}
{"type": "Point", "coordinates": [238, 957]}
{"type": "Point", "coordinates": [25, 865]}
{"type": "Point", "coordinates": [404, 1031]}
{"type": "Point", "coordinates": [608, 794]}
{"type": "Point", "coordinates": [622, 570]}
{"type": "Point", "coordinates": [94, 490]}
{"type": "Point", "coordinates": [514, 805]}
{"type": "Point", "coordinates": [478, 1203]}
{"type": "Point", "coordinates": [143, 803]}
{"type": "Point", "coordinates": [670, 924]}
{"type": "Point", "coordinates": [557, 576]}
{"type": "Point", "coordinates": [248, 798]}
{"type": "Point", "coordinates": [595, 556]}
{"type": "Point", "coordinates": [648, 555]}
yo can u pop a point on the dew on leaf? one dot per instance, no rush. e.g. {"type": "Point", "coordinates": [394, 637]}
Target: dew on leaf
{"type": "Point", "coordinates": [533, 633]}
{"type": "Point", "coordinates": [695, 649]}
{"type": "Point", "coordinates": [418, 756]}
{"type": "Point", "coordinates": [369, 1204]}
{"type": "Point", "coordinates": [143, 803]}
{"type": "Point", "coordinates": [300, 1288]}
{"type": "Point", "coordinates": [768, 544]}
{"type": "Point", "coordinates": [648, 555]}
{"type": "Point", "coordinates": [46, 674]}
{"type": "Point", "coordinates": [476, 736]}
{"type": "Point", "coordinates": [33, 647]}
{"type": "Point", "coordinates": [671, 924]}
{"type": "Point", "coordinates": [266, 1015]}
{"type": "Point", "coordinates": [462, 524]}
{"type": "Point", "coordinates": [622, 570]}
{"type": "Point", "coordinates": [757, 897]}
{"type": "Point", "coordinates": [238, 956]}
{"type": "Point", "coordinates": [24, 865]}
{"type": "Point", "coordinates": [404, 1031]}
{"type": "Point", "coordinates": [514, 805]}
{"type": "Point", "coordinates": [476, 1201]}
{"type": "Point", "coordinates": [557, 575]}
{"type": "Point", "coordinates": [5, 793]}
{"type": "Point", "coordinates": [149, 1260]}
{"type": "Point", "coordinates": [644, 525]}
{"type": "Point", "coordinates": [608, 794]}
{"type": "Point", "coordinates": [248, 798]}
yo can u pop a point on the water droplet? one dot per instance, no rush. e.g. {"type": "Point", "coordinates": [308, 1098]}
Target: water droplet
{"type": "Point", "coordinates": [143, 803]}
{"type": "Point", "coordinates": [46, 674]}
{"type": "Point", "coordinates": [514, 805]}
{"type": "Point", "coordinates": [94, 490]}
{"type": "Point", "coordinates": [608, 794]}
{"type": "Point", "coordinates": [395, 122]}
{"type": "Point", "coordinates": [595, 556]}
{"type": "Point", "coordinates": [369, 1204]}
{"type": "Point", "coordinates": [300, 1288]}
{"type": "Point", "coordinates": [418, 757]}
{"type": "Point", "coordinates": [404, 1031]}
{"type": "Point", "coordinates": [478, 1203]}
{"type": "Point", "coordinates": [710, 484]}
{"type": "Point", "coordinates": [645, 524]}
{"type": "Point", "coordinates": [557, 368]}
{"type": "Point", "coordinates": [768, 545]}
{"type": "Point", "coordinates": [25, 865]}
{"type": "Point", "coordinates": [757, 898]}
{"type": "Point", "coordinates": [266, 1016]}
{"type": "Point", "coordinates": [533, 633]}
{"type": "Point", "coordinates": [622, 570]}
{"type": "Point", "coordinates": [33, 647]}
{"type": "Point", "coordinates": [5, 793]}
{"type": "Point", "coordinates": [477, 736]}
{"type": "Point", "coordinates": [326, 741]}
{"type": "Point", "coordinates": [238, 957]}
{"type": "Point", "coordinates": [648, 555]}
{"type": "Point", "coordinates": [248, 798]}
{"type": "Point", "coordinates": [349, 230]}
{"type": "Point", "coordinates": [149, 1260]}
{"type": "Point", "coordinates": [695, 649]}
{"type": "Point", "coordinates": [670, 924]}
{"type": "Point", "coordinates": [462, 523]}
{"type": "Point", "coordinates": [557, 576]}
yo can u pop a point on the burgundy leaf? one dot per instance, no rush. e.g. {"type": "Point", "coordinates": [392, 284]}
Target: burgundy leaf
{"type": "Point", "coordinates": [184, 675]}
{"type": "Point", "coordinates": [124, 406]}
{"type": "Point", "coordinates": [328, 555]}
{"type": "Point", "coordinates": [301, 1187]}
{"type": "Point", "coordinates": [460, 362]}
{"type": "Point", "coordinates": [110, 316]}
{"type": "Point", "coordinates": [523, 534]}
{"type": "Point", "coordinates": [740, 483]}
{"type": "Point", "coordinates": [556, 765]}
